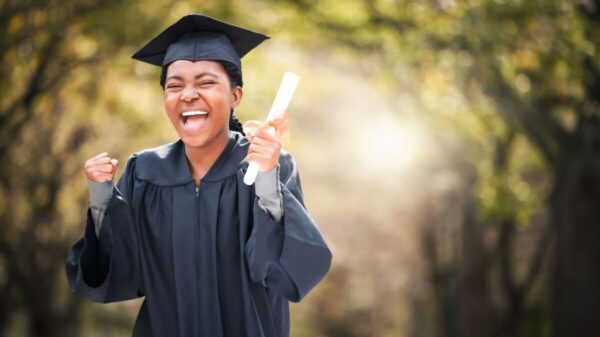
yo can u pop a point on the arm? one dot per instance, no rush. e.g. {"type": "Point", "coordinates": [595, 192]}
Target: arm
{"type": "Point", "coordinates": [100, 194]}
{"type": "Point", "coordinates": [269, 194]}
{"type": "Point", "coordinates": [104, 266]}
{"type": "Point", "coordinates": [290, 257]}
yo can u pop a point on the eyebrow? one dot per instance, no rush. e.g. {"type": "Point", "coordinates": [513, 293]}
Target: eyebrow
{"type": "Point", "coordinates": [177, 77]}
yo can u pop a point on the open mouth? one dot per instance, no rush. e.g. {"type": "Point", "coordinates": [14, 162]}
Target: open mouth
{"type": "Point", "coordinates": [193, 119]}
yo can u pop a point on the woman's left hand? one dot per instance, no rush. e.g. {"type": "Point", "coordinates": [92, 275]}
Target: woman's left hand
{"type": "Point", "coordinates": [265, 146]}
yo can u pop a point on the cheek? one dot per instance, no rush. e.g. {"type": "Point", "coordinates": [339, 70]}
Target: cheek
{"type": "Point", "coordinates": [225, 100]}
{"type": "Point", "coordinates": [170, 101]}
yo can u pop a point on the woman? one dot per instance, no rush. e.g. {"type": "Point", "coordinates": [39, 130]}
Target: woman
{"type": "Point", "coordinates": [212, 256]}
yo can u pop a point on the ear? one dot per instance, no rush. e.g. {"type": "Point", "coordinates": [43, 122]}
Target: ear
{"type": "Point", "coordinates": [236, 96]}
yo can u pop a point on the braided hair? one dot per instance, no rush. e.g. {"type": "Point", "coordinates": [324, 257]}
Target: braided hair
{"type": "Point", "coordinates": [235, 78]}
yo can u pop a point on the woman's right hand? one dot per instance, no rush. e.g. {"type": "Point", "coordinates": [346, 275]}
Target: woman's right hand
{"type": "Point", "coordinates": [101, 168]}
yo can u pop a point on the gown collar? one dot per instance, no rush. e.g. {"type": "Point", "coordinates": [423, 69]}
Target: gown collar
{"type": "Point", "coordinates": [167, 165]}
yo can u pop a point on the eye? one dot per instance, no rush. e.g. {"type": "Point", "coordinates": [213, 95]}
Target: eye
{"type": "Point", "coordinates": [173, 86]}
{"type": "Point", "coordinates": [207, 83]}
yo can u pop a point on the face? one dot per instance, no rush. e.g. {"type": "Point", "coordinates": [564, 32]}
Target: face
{"type": "Point", "coordinates": [198, 98]}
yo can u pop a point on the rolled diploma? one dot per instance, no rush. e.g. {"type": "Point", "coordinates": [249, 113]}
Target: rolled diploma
{"type": "Point", "coordinates": [280, 104]}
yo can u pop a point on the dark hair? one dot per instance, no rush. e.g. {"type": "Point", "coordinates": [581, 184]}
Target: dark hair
{"type": "Point", "coordinates": [234, 73]}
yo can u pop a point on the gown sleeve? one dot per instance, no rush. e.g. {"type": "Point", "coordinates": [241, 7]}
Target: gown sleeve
{"type": "Point", "coordinates": [105, 267]}
{"type": "Point", "coordinates": [268, 192]}
{"type": "Point", "coordinates": [289, 257]}
{"type": "Point", "coordinates": [100, 194]}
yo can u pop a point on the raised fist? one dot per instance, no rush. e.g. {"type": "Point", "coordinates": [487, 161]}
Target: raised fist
{"type": "Point", "coordinates": [101, 168]}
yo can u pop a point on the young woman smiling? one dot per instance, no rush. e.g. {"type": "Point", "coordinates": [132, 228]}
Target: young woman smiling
{"type": "Point", "coordinates": [212, 256]}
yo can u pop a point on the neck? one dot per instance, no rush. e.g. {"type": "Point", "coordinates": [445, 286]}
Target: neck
{"type": "Point", "coordinates": [201, 159]}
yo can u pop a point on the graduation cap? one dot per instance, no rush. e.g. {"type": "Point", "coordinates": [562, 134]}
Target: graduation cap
{"type": "Point", "coordinates": [198, 37]}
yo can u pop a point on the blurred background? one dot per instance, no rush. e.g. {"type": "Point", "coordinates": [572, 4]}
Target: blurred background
{"type": "Point", "coordinates": [449, 151]}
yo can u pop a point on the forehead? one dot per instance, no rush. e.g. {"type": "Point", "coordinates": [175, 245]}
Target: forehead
{"type": "Point", "coordinates": [185, 68]}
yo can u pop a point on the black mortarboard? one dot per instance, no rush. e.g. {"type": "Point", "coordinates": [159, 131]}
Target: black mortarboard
{"type": "Point", "coordinates": [198, 37]}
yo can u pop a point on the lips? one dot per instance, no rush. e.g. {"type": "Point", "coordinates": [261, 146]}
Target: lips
{"type": "Point", "coordinates": [194, 119]}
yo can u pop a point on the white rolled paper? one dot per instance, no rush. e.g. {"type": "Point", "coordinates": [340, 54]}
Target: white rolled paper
{"type": "Point", "coordinates": [280, 104]}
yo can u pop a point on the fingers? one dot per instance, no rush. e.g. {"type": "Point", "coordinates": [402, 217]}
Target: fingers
{"type": "Point", "coordinates": [258, 158]}
{"type": "Point", "coordinates": [265, 143]}
{"type": "Point", "coordinates": [266, 138]}
{"type": "Point", "coordinates": [263, 149]}
{"type": "Point", "coordinates": [282, 129]}
{"type": "Point", "coordinates": [101, 177]}
{"type": "Point", "coordinates": [281, 126]}
{"type": "Point", "coordinates": [103, 160]}
{"type": "Point", "coordinates": [107, 168]}
{"type": "Point", "coordinates": [279, 121]}
{"type": "Point", "coordinates": [250, 127]}
{"type": "Point", "coordinates": [100, 168]}
{"type": "Point", "coordinates": [264, 133]}
{"type": "Point", "coordinates": [100, 155]}
{"type": "Point", "coordinates": [265, 162]}
{"type": "Point", "coordinates": [265, 152]}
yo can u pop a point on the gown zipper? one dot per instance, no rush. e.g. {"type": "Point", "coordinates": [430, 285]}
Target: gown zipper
{"type": "Point", "coordinates": [197, 240]}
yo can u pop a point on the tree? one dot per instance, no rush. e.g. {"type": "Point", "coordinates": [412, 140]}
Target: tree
{"type": "Point", "coordinates": [49, 60]}
{"type": "Point", "coordinates": [536, 63]}
{"type": "Point", "coordinates": [65, 69]}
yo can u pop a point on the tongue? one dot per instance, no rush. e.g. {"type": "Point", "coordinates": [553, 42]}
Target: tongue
{"type": "Point", "coordinates": [194, 122]}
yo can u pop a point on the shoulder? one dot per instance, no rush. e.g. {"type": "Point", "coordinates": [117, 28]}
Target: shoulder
{"type": "Point", "coordinates": [150, 156]}
{"type": "Point", "coordinates": [163, 165]}
{"type": "Point", "coordinates": [158, 153]}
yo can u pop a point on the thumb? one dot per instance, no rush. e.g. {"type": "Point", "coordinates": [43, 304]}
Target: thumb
{"type": "Point", "coordinates": [115, 164]}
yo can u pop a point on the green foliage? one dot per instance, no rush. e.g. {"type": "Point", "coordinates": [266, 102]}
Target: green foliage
{"type": "Point", "coordinates": [450, 120]}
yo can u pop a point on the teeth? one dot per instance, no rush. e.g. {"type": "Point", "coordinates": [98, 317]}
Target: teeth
{"type": "Point", "coordinates": [194, 113]}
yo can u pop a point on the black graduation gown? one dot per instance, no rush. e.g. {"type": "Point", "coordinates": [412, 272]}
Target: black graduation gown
{"type": "Point", "coordinates": [213, 264]}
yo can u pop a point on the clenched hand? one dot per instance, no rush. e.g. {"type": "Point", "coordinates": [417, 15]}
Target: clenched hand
{"type": "Point", "coordinates": [101, 168]}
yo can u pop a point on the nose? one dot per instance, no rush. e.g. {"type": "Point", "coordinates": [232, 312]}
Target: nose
{"type": "Point", "coordinates": [189, 94]}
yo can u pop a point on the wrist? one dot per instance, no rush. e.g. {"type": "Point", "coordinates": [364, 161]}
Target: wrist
{"type": "Point", "coordinates": [100, 193]}
{"type": "Point", "coordinates": [267, 182]}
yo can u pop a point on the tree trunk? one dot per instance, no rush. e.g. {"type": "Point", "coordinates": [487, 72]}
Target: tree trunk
{"type": "Point", "coordinates": [6, 300]}
{"type": "Point", "coordinates": [475, 303]}
{"type": "Point", "coordinates": [575, 210]}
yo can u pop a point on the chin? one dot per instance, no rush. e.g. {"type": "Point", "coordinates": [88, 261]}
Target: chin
{"type": "Point", "coordinates": [201, 140]}
{"type": "Point", "coordinates": [194, 141]}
